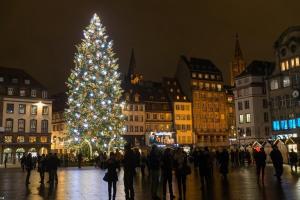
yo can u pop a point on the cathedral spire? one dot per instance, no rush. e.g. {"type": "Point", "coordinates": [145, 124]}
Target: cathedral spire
{"type": "Point", "coordinates": [132, 64]}
{"type": "Point", "coordinates": [238, 51]}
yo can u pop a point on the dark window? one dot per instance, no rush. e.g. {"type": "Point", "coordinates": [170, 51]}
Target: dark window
{"type": "Point", "coordinates": [10, 108]}
{"type": "Point", "coordinates": [266, 117]}
{"type": "Point", "coordinates": [248, 131]}
{"type": "Point", "coordinates": [267, 131]}
{"type": "Point", "coordinates": [21, 125]}
{"type": "Point", "coordinates": [265, 103]}
{"type": "Point", "coordinates": [44, 126]}
{"type": "Point", "coordinates": [247, 106]}
{"type": "Point", "coordinates": [241, 132]}
{"type": "Point", "coordinates": [240, 105]}
{"type": "Point", "coordinates": [33, 124]}
{"type": "Point", "coordinates": [9, 125]}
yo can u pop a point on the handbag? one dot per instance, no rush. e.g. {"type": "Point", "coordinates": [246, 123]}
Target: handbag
{"type": "Point", "coordinates": [106, 178]}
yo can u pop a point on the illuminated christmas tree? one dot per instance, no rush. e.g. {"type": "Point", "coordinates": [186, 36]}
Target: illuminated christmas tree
{"type": "Point", "coordinates": [94, 113]}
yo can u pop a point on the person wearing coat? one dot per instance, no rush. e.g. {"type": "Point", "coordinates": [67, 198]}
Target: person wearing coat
{"type": "Point", "coordinates": [277, 160]}
{"type": "Point", "coordinates": [224, 161]}
{"type": "Point", "coordinates": [112, 176]}
{"type": "Point", "coordinates": [260, 161]}
{"type": "Point", "coordinates": [28, 166]}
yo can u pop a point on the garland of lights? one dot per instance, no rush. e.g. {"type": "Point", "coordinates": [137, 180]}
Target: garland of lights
{"type": "Point", "coordinates": [94, 111]}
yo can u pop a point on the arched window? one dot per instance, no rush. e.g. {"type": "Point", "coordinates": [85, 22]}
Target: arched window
{"type": "Point", "coordinates": [33, 124]}
{"type": "Point", "coordinates": [21, 125]}
{"type": "Point", "coordinates": [9, 124]}
{"type": "Point", "coordinates": [44, 128]}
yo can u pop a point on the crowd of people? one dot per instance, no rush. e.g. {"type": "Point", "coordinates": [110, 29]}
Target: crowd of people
{"type": "Point", "coordinates": [44, 164]}
{"type": "Point", "coordinates": [159, 165]}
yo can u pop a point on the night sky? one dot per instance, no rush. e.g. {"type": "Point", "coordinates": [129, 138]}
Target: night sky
{"type": "Point", "coordinates": [40, 36]}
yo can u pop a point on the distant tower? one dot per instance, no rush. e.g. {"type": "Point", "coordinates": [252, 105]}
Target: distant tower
{"type": "Point", "coordinates": [132, 77]}
{"type": "Point", "coordinates": [238, 64]}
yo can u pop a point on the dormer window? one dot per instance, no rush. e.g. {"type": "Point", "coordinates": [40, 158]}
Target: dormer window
{"type": "Point", "coordinates": [14, 80]}
{"type": "Point", "coordinates": [33, 93]}
{"type": "Point", "coordinates": [44, 94]}
{"type": "Point", "coordinates": [22, 93]}
{"type": "Point", "coordinates": [27, 82]}
{"type": "Point", "coordinates": [10, 91]}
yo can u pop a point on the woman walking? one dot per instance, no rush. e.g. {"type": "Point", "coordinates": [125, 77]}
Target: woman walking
{"type": "Point", "coordinates": [181, 166]}
{"type": "Point", "coordinates": [111, 175]}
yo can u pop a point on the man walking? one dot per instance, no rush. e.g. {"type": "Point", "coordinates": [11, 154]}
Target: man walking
{"type": "Point", "coordinates": [293, 160]}
{"type": "Point", "coordinates": [167, 167]}
{"type": "Point", "coordinates": [129, 169]}
{"type": "Point", "coordinates": [277, 162]}
{"type": "Point", "coordinates": [28, 166]}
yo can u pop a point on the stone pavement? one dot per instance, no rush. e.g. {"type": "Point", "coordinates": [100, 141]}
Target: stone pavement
{"type": "Point", "coordinates": [87, 184]}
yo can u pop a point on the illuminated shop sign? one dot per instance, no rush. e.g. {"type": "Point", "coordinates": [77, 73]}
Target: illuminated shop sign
{"type": "Point", "coordinates": [162, 138]}
{"type": "Point", "coordinates": [278, 125]}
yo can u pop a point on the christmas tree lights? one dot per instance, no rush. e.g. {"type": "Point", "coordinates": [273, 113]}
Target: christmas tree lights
{"type": "Point", "coordinates": [94, 111]}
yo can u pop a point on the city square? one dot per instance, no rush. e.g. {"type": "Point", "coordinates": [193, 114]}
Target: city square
{"type": "Point", "coordinates": [87, 183]}
{"type": "Point", "coordinates": [149, 100]}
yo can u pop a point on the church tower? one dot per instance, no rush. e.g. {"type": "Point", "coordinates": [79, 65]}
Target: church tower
{"type": "Point", "coordinates": [238, 64]}
{"type": "Point", "coordinates": [132, 77]}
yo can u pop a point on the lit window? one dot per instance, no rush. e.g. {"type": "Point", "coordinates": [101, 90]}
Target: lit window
{"type": "Point", "coordinates": [45, 110]}
{"type": "Point", "coordinates": [200, 85]}
{"type": "Point", "coordinates": [10, 108]}
{"type": "Point", "coordinates": [274, 84]}
{"type": "Point", "coordinates": [22, 108]}
{"type": "Point", "coordinates": [292, 123]}
{"type": "Point", "coordinates": [10, 91]}
{"type": "Point", "coordinates": [33, 93]}
{"type": "Point", "coordinates": [213, 86]}
{"type": "Point", "coordinates": [8, 139]}
{"type": "Point", "coordinates": [20, 139]}
{"type": "Point", "coordinates": [43, 139]}
{"type": "Point", "coordinates": [206, 76]}
{"type": "Point", "coordinates": [292, 62]}
{"type": "Point", "coordinates": [287, 65]}
{"type": "Point", "coordinates": [241, 119]}
{"type": "Point", "coordinates": [219, 86]}
{"type": "Point", "coordinates": [282, 66]}
{"type": "Point", "coordinates": [297, 62]}
{"type": "Point", "coordinates": [194, 75]}
{"type": "Point", "coordinates": [27, 81]}
{"type": "Point", "coordinates": [21, 125]}
{"type": "Point", "coordinates": [1, 79]}
{"type": "Point", "coordinates": [33, 109]}
{"type": "Point", "coordinates": [248, 118]}
{"type": "Point", "coordinates": [286, 81]}
{"type": "Point", "coordinates": [177, 97]}
{"type": "Point", "coordinates": [207, 86]}
{"type": "Point", "coordinates": [184, 97]}
{"type": "Point", "coordinates": [212, 77]}
{"type": "Point", "coordinates": [194, 83]}
{"type": "Point", "coordinates": [32, 139]}
{"type": "Point", "coordinates": [22, 93]}
{"type": "Point", "coordinates": [171, 90]}
{"type": "Point", "coordinates": [200, 76]}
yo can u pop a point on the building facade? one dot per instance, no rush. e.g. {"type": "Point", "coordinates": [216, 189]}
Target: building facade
{"type": "Point", "coordinates": [182, 112]}
{"type": "Point", "coordinates": [202, 82]}
{"type": "Point", "coordinates": [251, 103]}
{"type": "Point", "coordinates": [284, 85]}
{"type": "Point", "coordinates": [59, 127]}
{"type": "Point", "coordinates": [25, 117]}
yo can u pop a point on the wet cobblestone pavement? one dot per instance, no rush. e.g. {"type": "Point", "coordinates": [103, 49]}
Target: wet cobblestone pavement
{"type": "Point", "coordinates": [87, 184]}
